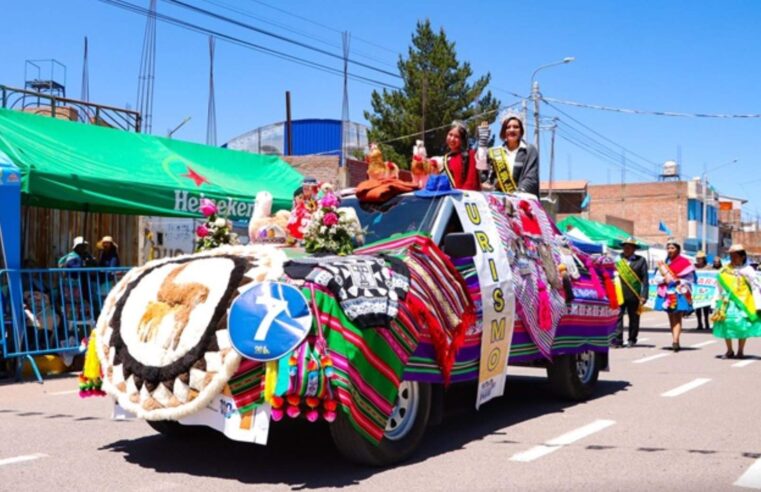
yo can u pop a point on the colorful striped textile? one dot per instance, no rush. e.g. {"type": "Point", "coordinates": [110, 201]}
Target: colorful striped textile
{"type": "Point", "coordinates": [438, 297]}
{"type": "Point", "coordinates": [588, 325]}
{"type": "Point", "coordinates": [368, 365]}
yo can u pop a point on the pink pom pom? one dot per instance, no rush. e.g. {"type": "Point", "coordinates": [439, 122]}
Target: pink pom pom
{"type": "Point", "coordinates": [329, 415]}
{"type": "Point", "coordinates": [293, 412]}
{"type": "Point", "coordinates": [277, 414]}
{"type": "Point", "coordinates": [313, 415]}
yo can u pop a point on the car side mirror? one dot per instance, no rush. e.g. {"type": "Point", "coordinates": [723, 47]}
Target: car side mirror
{"type": "Point", "coordinates": [460, 245]}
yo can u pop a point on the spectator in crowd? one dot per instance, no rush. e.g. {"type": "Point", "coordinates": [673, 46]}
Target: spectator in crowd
{"type": "Point", "coordinates": [108, 255]}
{"type": "Point", "coordinates": [79, 256]}
{"type": "Point", "coordinates": [717, 263]}
{"type": "Point", "coordinates": [702, 313]}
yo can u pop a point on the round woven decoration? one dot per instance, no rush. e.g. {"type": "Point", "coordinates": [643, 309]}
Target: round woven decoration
{"type": "Point", "coordinates": [162, 335]}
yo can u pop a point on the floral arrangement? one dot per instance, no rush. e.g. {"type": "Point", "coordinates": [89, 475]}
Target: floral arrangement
{"type": "Point", "coordinates": [331, 230]}
{"type": "Point", "coordinates": [216, 231]}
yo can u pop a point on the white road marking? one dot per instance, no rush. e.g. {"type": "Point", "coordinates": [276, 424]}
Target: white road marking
{"type": "Point", "coordinates": [21, 459]}
{"type": "Point", "coordinates": [67, 392]}
{"type": "Point", "coordinates": [680, 390]}
{"type": "Point", "coordinates": [703, 344]}
{"type": "Point", "coordinates": [649, 358]}
{"type": "Point", "coordinates": [752, 476]}
{"type": "Point", "coordinates": [554, 444]}
{"type": "Point", "coordinates": [643, 340]}
{"type": "Point", "coordinates": [744, 363]}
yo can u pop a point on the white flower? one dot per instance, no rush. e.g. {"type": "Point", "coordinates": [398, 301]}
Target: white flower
{"type": "Point", "coordinates": [220, 222]}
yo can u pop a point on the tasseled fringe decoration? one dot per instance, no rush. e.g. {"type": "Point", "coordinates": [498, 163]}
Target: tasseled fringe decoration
{"type": "Point", "coordinates": [90, 380]}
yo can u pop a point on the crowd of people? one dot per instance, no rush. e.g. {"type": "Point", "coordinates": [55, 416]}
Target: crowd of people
{"type": "Point", "coordinates": [80, 256]}
{"type": "Point", "coordinates": [735, 310]}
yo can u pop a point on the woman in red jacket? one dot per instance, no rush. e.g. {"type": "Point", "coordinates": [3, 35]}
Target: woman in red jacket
{"type": "Point", "coordinates": [460, 162]}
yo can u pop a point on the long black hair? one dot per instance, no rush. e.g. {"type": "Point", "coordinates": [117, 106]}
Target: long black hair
{"type": "Point", "coordinates": [464, 147]}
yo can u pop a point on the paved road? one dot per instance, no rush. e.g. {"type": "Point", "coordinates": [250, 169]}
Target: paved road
{"type": "Point", "coordinates": [685, 421]}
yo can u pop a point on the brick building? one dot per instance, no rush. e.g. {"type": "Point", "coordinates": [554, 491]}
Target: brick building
{"type": "Point", "coordinates": [678, 204]}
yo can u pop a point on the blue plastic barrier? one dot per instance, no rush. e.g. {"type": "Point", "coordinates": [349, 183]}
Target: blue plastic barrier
{"type": "Point", "coordinates": [55, 310]}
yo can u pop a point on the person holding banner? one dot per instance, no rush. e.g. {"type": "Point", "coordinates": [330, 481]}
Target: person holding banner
{"type": "Point", "coordinates": [632, 270]}
{"type": "Point", "coordinates": [702, 313]}
{"type": "Point", "coordinates": [736, 315]}
{"type": "Point", "coordinates": [675, 278]}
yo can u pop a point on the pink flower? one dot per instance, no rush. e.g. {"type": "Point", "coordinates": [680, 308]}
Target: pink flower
{"type": "Point", "coordinates": [330, 200]}
{"type": "Point", "coordinates": [202, 231]}
{"type": "Point", "coordinates": [207, 207]}
{"type": "Point", "coordinates": [330, 219]}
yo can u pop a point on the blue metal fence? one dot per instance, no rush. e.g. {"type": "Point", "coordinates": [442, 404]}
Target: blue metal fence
{"type": "Point", "coordinates": [50, 310]}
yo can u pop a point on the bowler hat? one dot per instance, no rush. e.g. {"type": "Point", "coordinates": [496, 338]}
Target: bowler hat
{"type": "Point", "coordinates": [736, 248]}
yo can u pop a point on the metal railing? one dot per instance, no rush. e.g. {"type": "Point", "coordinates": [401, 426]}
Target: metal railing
{"type": "Point", "coordinates": [74, 109]}
{"type": "Point", "coordinates": [50, 310]}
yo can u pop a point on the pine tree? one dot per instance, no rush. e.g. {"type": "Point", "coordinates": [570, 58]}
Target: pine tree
{"type": "Point", "coordinates": [435, 92]}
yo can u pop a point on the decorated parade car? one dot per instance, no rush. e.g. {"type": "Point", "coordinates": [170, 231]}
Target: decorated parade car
{"type": "Point", "coordinates": [449, 287]}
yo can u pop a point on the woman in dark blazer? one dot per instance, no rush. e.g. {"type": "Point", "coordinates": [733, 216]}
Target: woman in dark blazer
{"type": "Point", "coordinates": [515, 164]}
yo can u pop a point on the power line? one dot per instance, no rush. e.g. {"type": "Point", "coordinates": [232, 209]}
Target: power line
{"type": "Point", "coordinates": [241, 42]}
{"type": "Point", "coordinates": [602, 148]}
{"type": "Point", "coordinates": [653, 113]}
{"type": "Point", "coordinates": [280, 37]}
{"type": "Point", "coordinates": [644, 159]}
{"type": "Point", "coordinates": [298, 32]}
{"type": "Point", "coordinates": [601, 154]}
{"type": "Point", "coordinates": [329, 28]}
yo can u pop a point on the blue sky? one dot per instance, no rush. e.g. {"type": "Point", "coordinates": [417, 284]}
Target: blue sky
{"type": "Point", "coordinates": [686, 56]}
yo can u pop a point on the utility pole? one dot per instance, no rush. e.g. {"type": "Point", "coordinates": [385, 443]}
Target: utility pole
{"type": "Point", "coordinates": [524, 111]}
{"type": "Point", "coordinates": [552, 155]}
{"type": "Point", "coordinates": [345, 38]}
{"type": "Point", "coordinates": [288, 123]}
{"type": "Point", "coordinates": [423, 96]}
{"type": "Point", "coordinates": [535, 97]}
{"type": "Point", "coordinates": [704, 185]}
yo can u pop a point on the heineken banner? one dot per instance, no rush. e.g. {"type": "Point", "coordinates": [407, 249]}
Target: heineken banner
{"type": "Point", "coordinates": [497, 296]}
{"type": "Point", "coordinates": [73, 166]}
{"type": "Point", "coordinates": [703, 292]}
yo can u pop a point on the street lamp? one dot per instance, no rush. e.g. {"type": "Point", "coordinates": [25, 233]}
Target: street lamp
{"type": "Point", "coordinates": [174, 130]}
{"type": "Point", "coordinates": [535, 94]}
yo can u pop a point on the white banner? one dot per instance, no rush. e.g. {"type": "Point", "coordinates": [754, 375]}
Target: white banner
{"type": "Point", "coordinates": [497, 296]}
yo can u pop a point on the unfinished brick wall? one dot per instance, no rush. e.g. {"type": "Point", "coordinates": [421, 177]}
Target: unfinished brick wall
{"type": "Point", "coordinates": [645, 204]}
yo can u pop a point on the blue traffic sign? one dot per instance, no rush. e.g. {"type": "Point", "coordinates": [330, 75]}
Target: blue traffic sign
{"type": "Point", "coordinates": [268, 320]}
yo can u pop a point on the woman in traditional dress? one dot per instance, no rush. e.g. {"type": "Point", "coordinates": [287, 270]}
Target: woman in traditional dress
{"type": "Point", "coordinates": [674, 277]}
{"type": "Point", "coordinates": [514, 165]}
{"type": "Point", "coordinates": [460, 162]}
{"type": "Point", "coordinates": [736, 315]}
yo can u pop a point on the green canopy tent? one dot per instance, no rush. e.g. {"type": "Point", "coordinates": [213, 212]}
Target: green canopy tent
{"type": "Point", "coordinates": [607, 234]}
{"type": "Point", "coordinates": [72, 166]}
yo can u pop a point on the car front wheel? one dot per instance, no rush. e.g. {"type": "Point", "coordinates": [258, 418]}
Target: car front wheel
{"type": "Point", "coordinates": [404, 430]}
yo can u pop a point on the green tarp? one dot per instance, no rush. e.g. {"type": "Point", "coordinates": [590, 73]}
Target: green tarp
{"type": "Point", "coordinates": [73, 166]}
{"type": "Point", "coordinates": [598, 232]}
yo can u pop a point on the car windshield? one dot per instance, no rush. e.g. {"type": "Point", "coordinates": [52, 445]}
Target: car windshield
{"type": "Point", "coordinates": [400, 214]}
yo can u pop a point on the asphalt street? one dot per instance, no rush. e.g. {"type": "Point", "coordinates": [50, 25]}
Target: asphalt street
{"type": "Point", "coordinates": [671, 421]}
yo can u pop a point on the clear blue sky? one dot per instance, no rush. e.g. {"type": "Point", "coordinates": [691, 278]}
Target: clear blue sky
{"type": "Point", "coordinates": [686, 56]}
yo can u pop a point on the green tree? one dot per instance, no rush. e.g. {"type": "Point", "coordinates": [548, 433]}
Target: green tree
{"type": "Point", "coordinates": [435, 92]}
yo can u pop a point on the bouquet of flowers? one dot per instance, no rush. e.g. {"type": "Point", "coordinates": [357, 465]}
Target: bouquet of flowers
{"type": "Point", "coordinates": [331, 230]}
{"type": "Point", "coordinates": [216, 231]}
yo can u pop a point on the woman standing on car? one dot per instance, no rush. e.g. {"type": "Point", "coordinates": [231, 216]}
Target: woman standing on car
{"type": "Point", "coordinates": [460, 162]}
{"type": "Point", "coordinates": [515, 164]}
{"type": "Point", "coordinates": [674, 277]}
{"type": "Point", "coordinates": [736, 315]}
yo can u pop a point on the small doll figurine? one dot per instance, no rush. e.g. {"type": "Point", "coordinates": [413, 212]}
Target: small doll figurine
{"type": "Point", "coordinates": [376, 167]}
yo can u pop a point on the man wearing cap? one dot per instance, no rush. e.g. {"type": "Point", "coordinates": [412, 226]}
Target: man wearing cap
{"type": "Point", "coordinates": [78, 257]}
{"type": "Point", "coordinates": [703, 313]}
{"type": "Point", "coordinates": [632, 270]}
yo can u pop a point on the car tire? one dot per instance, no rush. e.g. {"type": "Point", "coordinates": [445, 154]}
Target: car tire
{"type": "Point", "coordinates": [404, 431]}
{"type": "Point", "coordinates": [574, 376]}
